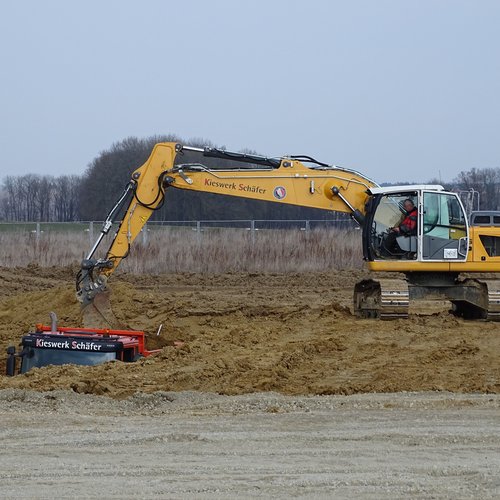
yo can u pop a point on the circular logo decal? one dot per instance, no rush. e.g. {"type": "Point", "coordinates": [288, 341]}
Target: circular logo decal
{"type": "Point", "coordinates": [279, 192]}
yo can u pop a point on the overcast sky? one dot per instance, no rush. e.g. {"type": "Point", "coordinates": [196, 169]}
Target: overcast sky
{"type": "Point", "coordinates": [399, 90]}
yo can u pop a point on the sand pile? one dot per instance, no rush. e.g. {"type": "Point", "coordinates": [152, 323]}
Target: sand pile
{"type": "Point", "coordinates": [240, 333]}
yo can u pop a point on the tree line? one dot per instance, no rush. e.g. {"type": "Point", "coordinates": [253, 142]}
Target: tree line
{"type": "Point", "coordinates": [43, 198]}
{"type": "Point", "coordinates": [40, 198]}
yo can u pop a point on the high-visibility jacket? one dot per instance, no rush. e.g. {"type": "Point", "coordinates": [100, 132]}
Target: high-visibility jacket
{"type": "Point", "coordinates": [409, 224]}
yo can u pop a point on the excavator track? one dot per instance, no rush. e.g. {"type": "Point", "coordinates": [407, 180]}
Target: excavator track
{"type": "Point", "coordinates": [493, 312]}
{"type": "Point", "coordinates": [385, 299]}
{"type": "Point", "coordinates": [476, 299]}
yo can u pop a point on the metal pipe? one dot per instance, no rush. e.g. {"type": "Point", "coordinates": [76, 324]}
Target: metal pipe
{"type": "Point", "coordinates": [109, 219]}
{"type": "Point", "coordinates": [53, 322]}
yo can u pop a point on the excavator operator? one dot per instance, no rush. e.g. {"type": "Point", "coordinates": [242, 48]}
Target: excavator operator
{"type": "Point", "coordinates": [407, 227]}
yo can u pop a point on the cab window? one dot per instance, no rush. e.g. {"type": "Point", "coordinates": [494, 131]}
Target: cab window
{"type": "Point", "coordinates": [392, 212]}
{"type": "Point", "coordinates": [444, 229]}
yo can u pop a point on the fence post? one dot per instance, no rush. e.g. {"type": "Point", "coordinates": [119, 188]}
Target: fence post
{"type": "Point", "coordinates": [145, 234]}
{"type": "Point", "coordinates": [198, 231]}
{"type": "Point", "coordinates": [37, 231]}
{"type": "Point", "coordinates": [252, 229]}
{"type": "Point", "coordinates": [91, 232]}
{"type": "Point", "coordinates": [307, 226]}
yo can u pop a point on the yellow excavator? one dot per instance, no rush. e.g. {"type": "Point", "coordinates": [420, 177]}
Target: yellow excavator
{"type": "Point", "coordinates": [441, 245]}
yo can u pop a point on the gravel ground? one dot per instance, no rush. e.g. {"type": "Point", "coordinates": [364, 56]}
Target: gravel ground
{"type": "Point", "coordinates": [61, 444]}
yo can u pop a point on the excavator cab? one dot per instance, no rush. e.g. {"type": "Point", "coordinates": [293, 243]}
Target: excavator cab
{"type": "Point", "coordinates": [439, 235]}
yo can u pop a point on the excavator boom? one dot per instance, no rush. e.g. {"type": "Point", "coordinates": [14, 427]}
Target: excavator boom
{"type": "Point", "coordinates": [295, 180]}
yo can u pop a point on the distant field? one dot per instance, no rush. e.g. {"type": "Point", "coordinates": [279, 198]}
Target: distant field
{"type": "Point", "coordinates": [162, 249]}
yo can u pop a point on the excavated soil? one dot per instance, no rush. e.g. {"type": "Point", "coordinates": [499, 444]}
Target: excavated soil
{"type": "Point", "coordinates": [241, 333]}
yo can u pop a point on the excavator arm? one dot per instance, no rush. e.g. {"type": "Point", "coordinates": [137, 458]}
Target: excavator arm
{"type": "Point", "coordinates": [295, 180]}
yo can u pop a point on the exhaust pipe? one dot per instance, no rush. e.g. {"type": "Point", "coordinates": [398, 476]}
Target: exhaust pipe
{"type": "Point", "coordinates": [53, 322]}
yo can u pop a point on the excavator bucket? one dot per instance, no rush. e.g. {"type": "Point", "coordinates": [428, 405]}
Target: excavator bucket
{"type": "Point", "coordinates": [98, 313]}
{"type": "Point", "coordinates": [95, 298]}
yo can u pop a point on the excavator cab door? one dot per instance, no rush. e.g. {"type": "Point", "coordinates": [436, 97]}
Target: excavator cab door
{"type": "Point", "coordinates": [443, 228]}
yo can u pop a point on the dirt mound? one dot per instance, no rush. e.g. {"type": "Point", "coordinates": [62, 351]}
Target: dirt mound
{"type": "Point", "coordinates": [243, 333]}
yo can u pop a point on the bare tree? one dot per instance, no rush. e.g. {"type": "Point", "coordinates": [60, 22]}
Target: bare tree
{"type": "Point", "coordinates": [486, 181]}
{"type": "Point", "coordinates": [66, 198]}
{"type": "Point", "coordinates": [38, 198]}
